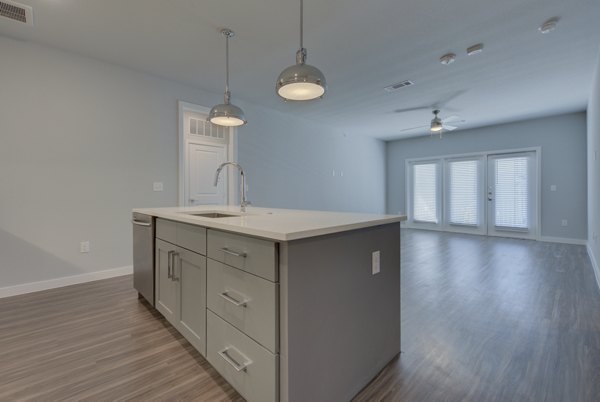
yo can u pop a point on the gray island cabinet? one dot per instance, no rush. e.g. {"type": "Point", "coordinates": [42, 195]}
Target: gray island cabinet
{"type": "Point", "coordinates": [286, 305]}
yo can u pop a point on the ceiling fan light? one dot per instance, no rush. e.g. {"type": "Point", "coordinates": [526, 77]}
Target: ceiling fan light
{"type": "Point", "coordinates": [436, 127]}
{"type": "Point", "coordinates": [227, 115]}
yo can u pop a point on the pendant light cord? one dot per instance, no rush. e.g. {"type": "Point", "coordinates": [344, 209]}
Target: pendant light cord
{"type": "Point", "coordinates": [227, 68]}
{"type": "Point", "coordinates": [301, 24]}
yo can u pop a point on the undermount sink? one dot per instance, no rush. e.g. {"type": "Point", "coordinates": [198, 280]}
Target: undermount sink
{"type": "Point", "coordinates": [211, 214]}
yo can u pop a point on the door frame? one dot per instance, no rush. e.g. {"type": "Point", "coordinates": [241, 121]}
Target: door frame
{"type": "Point", "coordinates": [485, 154]}
{"type": "Point", "coordinates": [232, 154]}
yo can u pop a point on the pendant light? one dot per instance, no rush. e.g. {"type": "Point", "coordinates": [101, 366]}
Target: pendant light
{"type": "Point", "coordinates": [301, 81]}
{"type": "Point", "coordinates": [226, 114]}
{"type": "Point", "coordinates": [436, 124]}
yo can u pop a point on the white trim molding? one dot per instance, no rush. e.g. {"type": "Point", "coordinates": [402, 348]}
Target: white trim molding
{"type": "Point", "coordinates": [595, 266]}
{"type": "Point", "coordinates": [31, 287]}
{"type": "Point", "coordinates": [565, 240]}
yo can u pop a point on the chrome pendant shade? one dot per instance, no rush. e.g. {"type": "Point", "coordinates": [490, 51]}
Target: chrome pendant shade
{"type": "Point", "coordinates": [226, 114]}
{"type": "Point", "coordinates": [301, 81]}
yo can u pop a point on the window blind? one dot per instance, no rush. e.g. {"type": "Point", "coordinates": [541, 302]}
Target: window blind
{"type": "Point", "coordinates": [425, 203]}
{"type": "Point", "coordinates": [512, 193]}
{"type": "Point", "coordinates": [465, 196]}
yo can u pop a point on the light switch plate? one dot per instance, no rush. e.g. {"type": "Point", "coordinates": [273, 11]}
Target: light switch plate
{"type": "Point", "coordinates": [553, 187]}
{"type": "Point", "coordinates": [376, 262]}
{"type": "Point", "coordinates": [157, 186]}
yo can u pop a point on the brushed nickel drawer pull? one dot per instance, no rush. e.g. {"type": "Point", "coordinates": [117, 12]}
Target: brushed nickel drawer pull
{"type": "Point", "coordinates": [170, 264]}
{"type": "Point", "coordinates": [235, 302]}
{"type": "Point", "coordinates": [175, 256]}
{"type": "Point", "coordinates": [237, 366]}
{"type": "Point", "coordinates": [234, 253]}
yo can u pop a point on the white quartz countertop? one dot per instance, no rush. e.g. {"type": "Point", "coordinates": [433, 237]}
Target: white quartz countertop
{"type": "Point", "coordinates": [271, 223]}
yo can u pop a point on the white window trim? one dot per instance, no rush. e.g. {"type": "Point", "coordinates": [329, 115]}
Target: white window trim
{"type": "Point", "coordinates": [485, 154]}
{"type": "Point", "coordinates": [232, 189]}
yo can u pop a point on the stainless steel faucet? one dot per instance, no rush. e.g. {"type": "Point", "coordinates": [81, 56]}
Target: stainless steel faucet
{"type": "Point", "coordinates": [243, 201]}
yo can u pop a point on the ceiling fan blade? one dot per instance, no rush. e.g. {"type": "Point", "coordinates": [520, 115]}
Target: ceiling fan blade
{"type": "Point", "coordinates": [412, 109]}
{"type": "Point", "coordinates": [449, 128]}
{"type": "Point", "coordinates": [413, 128]}
{"type": "Point", "coordinates": [442, 104]}
{"type": "Point", "coordinates": [451, 119]}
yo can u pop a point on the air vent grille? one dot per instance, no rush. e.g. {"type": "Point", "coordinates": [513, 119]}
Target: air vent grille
{"type": "Point", "coordinates": [16, 12]}
{"type": "Point", "coordinates": [399, 85]}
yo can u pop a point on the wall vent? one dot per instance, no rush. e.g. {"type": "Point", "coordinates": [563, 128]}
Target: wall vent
{"type": "Point", "coordinates": [16, 12]}
{"type": "Point", "coordinates": [399, 85]}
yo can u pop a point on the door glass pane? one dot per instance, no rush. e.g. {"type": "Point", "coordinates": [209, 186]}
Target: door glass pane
{"type": "Point", "coordinates": [425, 193]}
{"type": "Point", "coordinates": [464, 192]}
{"type": "Point", "coordinates": [512, 193]}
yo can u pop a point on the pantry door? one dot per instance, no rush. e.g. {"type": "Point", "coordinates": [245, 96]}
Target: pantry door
{"type": "Point", "coordinates": [512, 195]}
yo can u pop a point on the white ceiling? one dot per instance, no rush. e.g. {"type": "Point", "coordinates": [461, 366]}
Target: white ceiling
{"type": "Point", "coordinates": [361, 46]}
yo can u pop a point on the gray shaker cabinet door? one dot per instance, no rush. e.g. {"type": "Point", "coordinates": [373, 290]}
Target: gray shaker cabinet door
{"type": "Point", "coordinates": [165, 288]}
{"type": "Point", "coordinates": [191, 274]}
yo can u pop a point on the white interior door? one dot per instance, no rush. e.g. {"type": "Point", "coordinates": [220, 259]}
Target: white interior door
{"type": "Point", "coordinates": [202, 163]}
{"type": "Point", "coordinates": [512, 195]}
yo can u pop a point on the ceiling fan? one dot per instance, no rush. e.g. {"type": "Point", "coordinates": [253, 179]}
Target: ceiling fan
{"type": "Point", "coordinates": [439, 125]}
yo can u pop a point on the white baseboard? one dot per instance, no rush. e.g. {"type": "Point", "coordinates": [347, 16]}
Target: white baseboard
{"type": "Point", "coordinates": [594, 264]}
{"type": "Point", "coordinates": [565, 240]}
{"type": "Point", "coordinates": [64, 281]}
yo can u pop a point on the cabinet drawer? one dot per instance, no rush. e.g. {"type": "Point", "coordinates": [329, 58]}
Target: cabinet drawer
{"type": "Point", "coordinates": [246, 301]}
{"type": "Point", "coordinates": [166, 230]}
{"type": "Point", "coordinates": [259, 257]}
{"type": "Point", "coordinates": [191, 237]}
{"type": "Point", "coordinates": [251, 369]}
{"type": "Point", "coordinates": [184, 235]}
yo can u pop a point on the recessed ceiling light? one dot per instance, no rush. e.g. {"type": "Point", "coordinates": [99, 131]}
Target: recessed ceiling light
{"type": "Point", "coordinates": [475, 49]}
{"type": "Point", "coordinates": [448, 58]}
{"type": "Point", "coordinates": [549, 25]}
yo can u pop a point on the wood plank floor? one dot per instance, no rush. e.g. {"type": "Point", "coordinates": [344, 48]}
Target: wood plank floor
{"type": "Point", "coordinates": [96, 341]}
{"type": "Point", "coordinates": [482, 319]}
{"type": "Point", "coordinates": [493, 319]}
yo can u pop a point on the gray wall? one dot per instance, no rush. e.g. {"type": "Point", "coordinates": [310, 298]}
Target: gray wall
{"type": "Point", "coordinates": [563, 142]}
{"type": "Point", "coordinates": [593, 144]}
{"type": "Point", "coordinates": [291, 165]}
{"type": "Point", "coordinates": [83, 140]}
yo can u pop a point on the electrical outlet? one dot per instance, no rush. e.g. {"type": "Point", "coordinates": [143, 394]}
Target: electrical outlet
{"type": "Point", "coordinates": [376, 262]}
{"type": "Point", "coordinates": [553, 187]}
{"type": "Point", "coordinates": [333, 173]}
{"type": "Point", "coordinates": [157, 186]}
{"type": "Point", "coordinates": [564, 222]}
{"type": "Point", "coordinates": [84, 246]}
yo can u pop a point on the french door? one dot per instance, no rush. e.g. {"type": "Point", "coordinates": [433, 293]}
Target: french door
{"type": "Point", "coordinates": [493, 194]}
{"type": "Point", "coordinates": [512, 195]}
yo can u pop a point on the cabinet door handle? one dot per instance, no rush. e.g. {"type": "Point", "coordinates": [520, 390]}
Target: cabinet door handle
{"type": "Point", "coordinates": [234, 253]}
{"type": "Point", "coordinates": [235, 302]}
{"type": "Point", "coordinates": [140, 223]}
{"type": "Point", "coordinates": [237, 366]}
{"type": "Point", "coordinates": [170, 265]}
{"type": "Point", "coordinates": [175, 258]}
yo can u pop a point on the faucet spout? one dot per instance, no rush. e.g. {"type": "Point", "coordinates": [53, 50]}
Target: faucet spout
{"type": "Point", "coordinates": [243, 201]}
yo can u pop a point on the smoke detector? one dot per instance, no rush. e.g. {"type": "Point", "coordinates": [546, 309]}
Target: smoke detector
{"type": "Point", "coordinates": [549, 25]}
{"type": "Point", "coordinates": [475, 49]}
{"type": "Point", "coordinates": [16, 11]}
{"type": "Point", "coordinates": [448, 58]}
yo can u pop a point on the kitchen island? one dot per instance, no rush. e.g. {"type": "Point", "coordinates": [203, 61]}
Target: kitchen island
{"type": "Point", "coordinates": [287, 305]}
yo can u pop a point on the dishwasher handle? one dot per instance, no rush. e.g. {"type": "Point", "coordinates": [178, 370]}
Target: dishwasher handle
{"type": "Point", "coordinates": [139, 223]}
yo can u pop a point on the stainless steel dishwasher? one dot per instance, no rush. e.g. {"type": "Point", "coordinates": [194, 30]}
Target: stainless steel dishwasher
{"type": "Point", "coordinates": [143, 255]}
